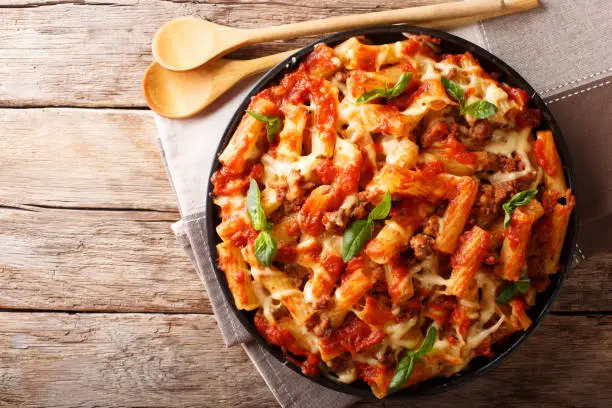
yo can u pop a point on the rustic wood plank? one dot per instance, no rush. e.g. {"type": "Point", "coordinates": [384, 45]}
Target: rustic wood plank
{"type": "Point", "coordinates": [82, 158]}
{"type": "Point", "coordinates": [107, 159]}
{"type": "Point", "coordinates": [95, 261]}
{"type": "Point", "coordinates": [92, 53]}
{"type": "Point", "coordinates": [129, 261]}
{"type": "Point", "coordinates": [62, 360]}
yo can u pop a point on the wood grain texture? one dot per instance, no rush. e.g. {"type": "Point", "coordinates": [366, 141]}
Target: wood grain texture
{"type": "Point", "coordinates": [109, 260]}
{"type": "Point", "coordinates": [95, 261]}
{"type": "Point", "coordinates": [82, 158]}
{"type": "Point", "coordinates": [62, 360]}
{"type": "Point", "coordinates": [92, 53]}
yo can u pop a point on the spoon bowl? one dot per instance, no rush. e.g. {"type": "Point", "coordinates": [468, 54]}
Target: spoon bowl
{"type": "Point", "coordinates": [186, 42]}
{"type": "Point", "coordinates": [180, 94]}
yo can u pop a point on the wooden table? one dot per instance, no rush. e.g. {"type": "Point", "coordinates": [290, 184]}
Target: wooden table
{"type": "Point", "coordinates": [99, 304]}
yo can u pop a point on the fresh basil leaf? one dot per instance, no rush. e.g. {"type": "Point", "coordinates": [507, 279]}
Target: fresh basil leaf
{"type": "Point", "coordinates": [381, 211]}
{"type": "Point", "coordinates": [373, 94]}
{"type": "Point", "coordinates": [400, 85]}
{"type": "Point", "coordinates": [273, 123]}
{"type": "Point", "coordinates": [355, 237]}
{"type": "Point", "coordinates": [265, 248]}
{"type": "Point", "coordinates": [480, 109]}
{"type": "Point", "coordinates": [403, 371]}
{"type": "Point", "coordinates": [254, 208]}
{"type": "Point", "coordinates": [506, 294]}
{"type": "Point", "coordinates": [517, 200]}
{"type": "Point", "coordinates": [428, 343]}
{"type": "Point", "coordinates": [404, 368]}
{"type": "Point", "coordinates": [522, 285]}
{"type": "Point", "coordinates": [454, 90]}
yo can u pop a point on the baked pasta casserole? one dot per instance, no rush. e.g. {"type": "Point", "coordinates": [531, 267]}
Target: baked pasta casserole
{"type": "Point", "coordinates": [388, 212]}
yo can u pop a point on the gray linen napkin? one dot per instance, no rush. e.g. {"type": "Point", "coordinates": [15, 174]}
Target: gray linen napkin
{"type": "Point", "coordinates": [562, 49]}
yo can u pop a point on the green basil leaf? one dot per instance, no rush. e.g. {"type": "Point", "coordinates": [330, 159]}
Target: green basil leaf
{"type": "Point", "coordinates": [428, 343]}
{"type": "Point", "coordinates": [403, 371]}
{"type": "Point", "coordinates": [265, 248]}
{"type": "Point", "coordinates": [381, 211]}
{"type": "Point", "coordinates": [517, 200]}
{"type": "Point", "coordinates": [400, 85]}
{"type": "Point", "coordinates": [254, 208]}
{"type": "Point", "coordinates": [480, 109]}
{"type": "Point", "coordinates": [522, 285]}
{"type": "Point", "coordinates": [507, 294]}
{"type": "Point", "coordinates": [355, 237]}
{"type": "Point", "coordinates": [273, 123]}
{"type": "Point", "coordinates": [373, 94]}
{"type": "Point", "coordinates": [454, 90]}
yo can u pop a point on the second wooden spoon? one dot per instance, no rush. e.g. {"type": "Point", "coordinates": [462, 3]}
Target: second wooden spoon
{"type": "Point", "coordinates": [177, 95]}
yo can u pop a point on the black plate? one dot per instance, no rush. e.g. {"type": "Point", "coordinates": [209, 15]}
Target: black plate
{"type": "Point", "coordinates": [449, 44]}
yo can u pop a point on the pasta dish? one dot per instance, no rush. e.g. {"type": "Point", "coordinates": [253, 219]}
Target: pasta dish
{"type": "Point", "coordinates": [389, 212]}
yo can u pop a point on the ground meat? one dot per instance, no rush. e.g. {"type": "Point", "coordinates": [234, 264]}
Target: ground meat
{"type": "Point", "coordinates": [431, 226]}
{"type": "Point", "coordinates": [452, 73]}
{"type": "Point", "coordinates": [319, 325]}
{"type": "Point", "coordinates": [280, 312]}
{"type": "Point", "coordinates": [478, 135]}
{"type": "Point", "coordinates": [491, 197]}
{"type": "Point", "coordinates": [505, 164]}
{"type": "Point", "coordinates": [437, 130]}
{"type": "Point", "coordinates": [422, 245]}
{"type": "Point", "coordinates": [298, 273]}
{"type": "Point", "coordinates": [360, 210]}
{"type": "Point", "coordinates": [335, 221]}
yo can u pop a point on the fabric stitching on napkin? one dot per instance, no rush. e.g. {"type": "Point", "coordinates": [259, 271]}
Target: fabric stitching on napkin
{"type": "Point", "coordinates": [577, 81]}
{"type": "Point", "coordinates": [483, 32]}
{"type": "Point", "coordinates": [590, 88]}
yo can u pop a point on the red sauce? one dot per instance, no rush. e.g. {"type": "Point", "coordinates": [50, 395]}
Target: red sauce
{"type": "Point", "coordinates": [430, 169]}
{"type": "Point", "coordinates": [283, 338]}
{"type": "Point", "coordinates": [518, 95]}
{"type": "Point", "coordinates": [354, 336]}
{"type": "Point", "coordinates": [411, 48]}
{"type": "Point", "coordinates": [544, 159]}
{"type": "Point", "coordinates": [484, 349]}
{"type": "Point", "coordinates": [326, 171]}
{"type": "Point", "coordinates": [513, 233]}
{"type": "Point", "coordinates": [461, 320]}
{"type": "Point", "coordinates": [244, 234]}
{"type": "Point", "coordinates": [315, 206]}
{"type": "Point", "coordinates": [460, 153]}
{"type": "Point", "coordinates": [441, 309]}
{"type": "Point", "coordinates": [528, 117]}
{"type": "Point", "coordinates": [286, 254]}
{"type": "Point", "coordinates": [228, 182]}
{"type": "Point", "coordinates": [365, 58]}
{"type": "Point", "coordinates": [319, 61]}
{"type": "Point", "coordinates": [375, 313]}
{"type": "Point", "coordinates": [334, 265]}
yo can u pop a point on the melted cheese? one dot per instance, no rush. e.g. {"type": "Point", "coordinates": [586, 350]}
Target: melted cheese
{"type": "Point", "coordinates": [506, 142]}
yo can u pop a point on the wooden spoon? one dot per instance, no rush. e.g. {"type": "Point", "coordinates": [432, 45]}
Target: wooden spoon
{"type": "Point", "coordinates": [189, 42]}
{"type": "Point", "coordinates": [176, 95]}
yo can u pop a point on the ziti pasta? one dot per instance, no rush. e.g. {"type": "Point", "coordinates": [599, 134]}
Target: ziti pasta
{"type": "Point", "coordinates": [389, 213]}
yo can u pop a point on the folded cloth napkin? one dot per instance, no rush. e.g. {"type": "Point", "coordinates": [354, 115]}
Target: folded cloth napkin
{"type": "Point", "coordinates": [562, 49]}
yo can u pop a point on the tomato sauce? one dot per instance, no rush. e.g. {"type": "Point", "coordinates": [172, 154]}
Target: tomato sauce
{"type": "Point", "coordinates": [286, 254]}
{"type": "Point", "coordinates": [326, 171]}
{"type": "Point", "coordinates": [354, 336]}
{"type": "Point", "coordinates": [545, 160]}
{"type": "Point", "coordinates": [458, 152]}
{"type": "Point", "coordinates": [376, 313]}
{"type": "Point", "coordinates": [365, 58]}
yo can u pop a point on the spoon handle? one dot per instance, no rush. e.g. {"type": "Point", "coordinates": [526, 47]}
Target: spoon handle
{"type": "Point", "coordinates": [443, 11]}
